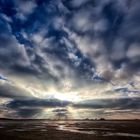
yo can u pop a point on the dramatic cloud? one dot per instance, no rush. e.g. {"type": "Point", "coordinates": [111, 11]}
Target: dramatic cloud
{"type": "Point", "coordinates": [9, 90]}
{"type": "Point", "coordinates": [68, 56]}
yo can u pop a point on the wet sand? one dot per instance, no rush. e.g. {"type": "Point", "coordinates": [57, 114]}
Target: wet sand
{"type": "Point", "coordinates": [69, 130]}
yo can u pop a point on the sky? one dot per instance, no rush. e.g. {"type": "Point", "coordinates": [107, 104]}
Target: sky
{"type": "Point", "coordinates": [71, 59]}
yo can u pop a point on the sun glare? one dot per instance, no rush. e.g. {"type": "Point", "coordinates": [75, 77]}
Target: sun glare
{"type": "Point", "coordinates": [71, 96]}
{"type": "Point", "coordinates": [63, 96]}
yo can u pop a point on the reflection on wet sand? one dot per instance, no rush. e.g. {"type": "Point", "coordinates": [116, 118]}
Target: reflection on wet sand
{"type": "Point", "coordinates": [95, 131]}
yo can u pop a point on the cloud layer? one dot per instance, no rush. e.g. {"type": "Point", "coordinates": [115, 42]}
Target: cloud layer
{"type": "Point", "coordinates": [81, 49]}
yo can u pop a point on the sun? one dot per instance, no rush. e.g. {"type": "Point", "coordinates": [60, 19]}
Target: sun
{"type": "Point", "coordinates": [71, 96]}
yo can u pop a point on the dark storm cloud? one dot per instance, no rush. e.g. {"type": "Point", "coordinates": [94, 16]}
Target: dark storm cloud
{"type": "Point", "coordinates": [120, 103]}
{"type": "Point", "coordinates": [30, 108]}
{"type": "Point", "coordinates": [60, 110]}
{"type": "Point", "coordinates": [35, 106]}
{"type": "Point", "coordinates": [39, 103]}
{"type": "Point", "coordinates": [8, 90]}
